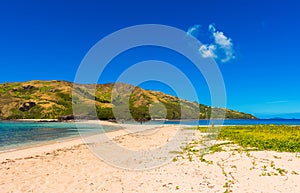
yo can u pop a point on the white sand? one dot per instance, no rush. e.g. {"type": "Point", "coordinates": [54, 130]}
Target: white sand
{"type": "Point", "coordinates": [69, 166]}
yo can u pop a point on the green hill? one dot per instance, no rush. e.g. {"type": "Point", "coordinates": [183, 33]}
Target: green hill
{"type": "Point", "coordinates": [53, 99]}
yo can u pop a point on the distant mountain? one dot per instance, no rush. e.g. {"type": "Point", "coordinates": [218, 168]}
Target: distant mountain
{"type": "Point", "coordinates": [295, 115]}
{"type": "Point", "coordinates": [53, 99]}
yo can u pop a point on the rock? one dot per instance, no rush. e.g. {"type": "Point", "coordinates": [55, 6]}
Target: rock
{"type": "Point", "coordinates": [66, 118]}
{"type": "Point", "coordinates": [52, 90]}
{"type": "Point", "coordinates": [28, 87]}
{"type": "Point", "coordinates": [26, 106]}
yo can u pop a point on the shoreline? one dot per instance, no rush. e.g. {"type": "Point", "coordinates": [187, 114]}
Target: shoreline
{"type": "Point", "coordinates": [51, 145]}
{"type": "Point", "coordinates": [16, 147]}
{"type": "Point", "coordinates": [119, 128]}
{"type": "Point", "coordinates": [101, 122]}
{"type": "Point", "coordinates": [39, 143]}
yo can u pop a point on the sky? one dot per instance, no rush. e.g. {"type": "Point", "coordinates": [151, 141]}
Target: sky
{"type": "Point", "coordinates": [255, 44]}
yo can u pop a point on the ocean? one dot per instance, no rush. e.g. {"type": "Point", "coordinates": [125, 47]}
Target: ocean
{"type": "Point", "coordinates": [20, 134]}
{"type": "Point", "coordinates": [239, 122]}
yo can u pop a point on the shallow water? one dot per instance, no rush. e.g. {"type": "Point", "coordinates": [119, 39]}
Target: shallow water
{"type": "Point", "coordinates": [18, 134]}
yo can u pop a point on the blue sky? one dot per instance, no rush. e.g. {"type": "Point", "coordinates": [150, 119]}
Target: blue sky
{"type": "Point", "coordinates": [47, 40]}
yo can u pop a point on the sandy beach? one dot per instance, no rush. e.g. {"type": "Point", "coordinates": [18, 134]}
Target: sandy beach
{"type": "Point", "coordinates": [70, 166]}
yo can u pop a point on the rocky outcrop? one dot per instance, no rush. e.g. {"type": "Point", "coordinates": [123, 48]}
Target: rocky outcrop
{"type": "Point", "coordinates": [28, 87]}
{"type": "Point", "coordinates": [26, 106]}
{"type": "Point", "coordinates": [52, 90]}
{"type": "Point", "coordinates": [66, 118]}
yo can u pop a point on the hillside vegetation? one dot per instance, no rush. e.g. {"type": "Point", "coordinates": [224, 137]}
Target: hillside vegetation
{"type": "Point", "coordinates": [53, 99]}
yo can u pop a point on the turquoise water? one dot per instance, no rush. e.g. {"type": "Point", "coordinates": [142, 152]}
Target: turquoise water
{"type": "Point", "coordinates": [18, 134]}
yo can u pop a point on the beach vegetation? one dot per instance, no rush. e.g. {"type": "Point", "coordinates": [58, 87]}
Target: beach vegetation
{"type": "Point", "coordinates": [264, 137]}
{"type": "Point", "coordinates": [295, 173]}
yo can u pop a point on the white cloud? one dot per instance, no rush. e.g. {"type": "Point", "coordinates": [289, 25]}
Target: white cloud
{"type": "Point", "coordinates": [221, 47]}
{"type": "Point", "coordinates": [222, 40]}
{"type": "Point", "coordinates": [194, 31]}
{"type": "Point", "coordinates": [224, 43]}
{"type": "Point", "coordinates": [208, 51]}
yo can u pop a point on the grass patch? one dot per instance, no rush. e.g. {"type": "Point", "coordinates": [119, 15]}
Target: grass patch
{"type": "Point", "coordinates": [264, 137]}
{"type": "Point", "coordinates": [216, 148]}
